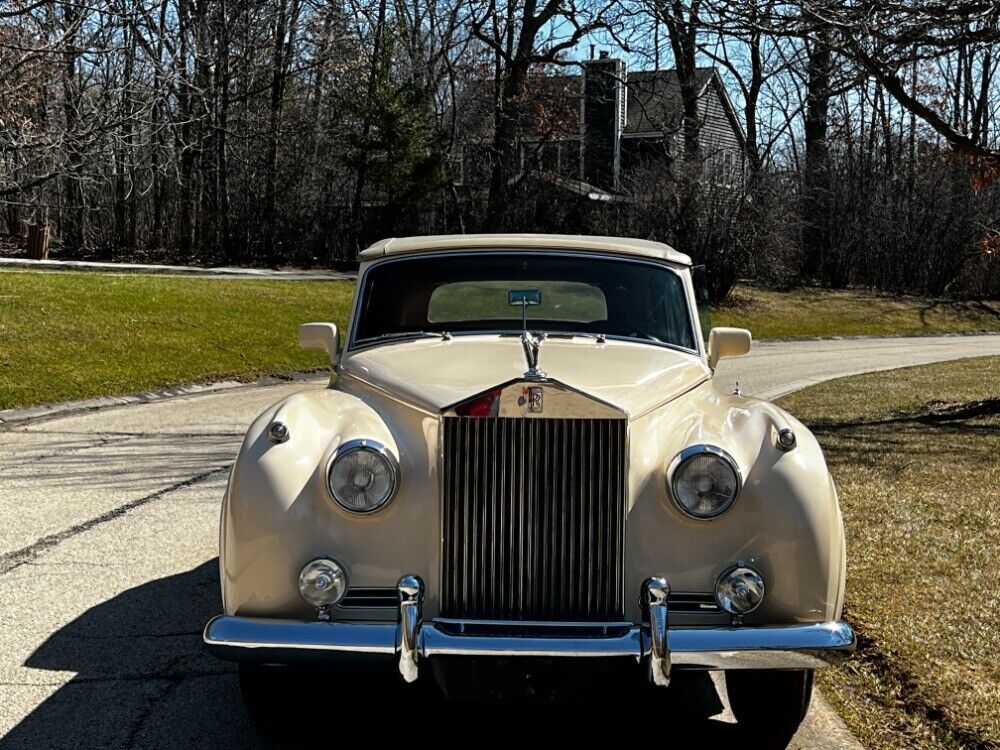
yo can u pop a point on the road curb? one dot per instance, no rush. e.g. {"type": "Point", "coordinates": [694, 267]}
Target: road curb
{"type": "Point", "coordinates": [222, 272]}
{"type": "Point", "coordinates": [877, 336]}
{"type": "Point", "coordinates": [44, 412]}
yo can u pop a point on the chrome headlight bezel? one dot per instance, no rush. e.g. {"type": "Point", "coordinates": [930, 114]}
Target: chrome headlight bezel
{"type": "Point", "coordinates": [371, 446]}
{"type": "Point", "coordinates": [693, 451]}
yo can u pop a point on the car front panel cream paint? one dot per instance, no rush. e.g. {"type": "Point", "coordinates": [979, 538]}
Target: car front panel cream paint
{"type": "Point", "coordinates": [278, 513]}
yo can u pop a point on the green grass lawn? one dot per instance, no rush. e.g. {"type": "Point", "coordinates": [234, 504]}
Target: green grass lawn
{"type": "Point", "coordinates": [914, 453]}
{"type": "Point", "coordinates": [809, 313]}
{"type": "Point", "coordinates": [75, 335]}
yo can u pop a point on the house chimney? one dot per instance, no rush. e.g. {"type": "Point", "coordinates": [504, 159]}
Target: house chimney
{"type": "Point", "coordinates": [604, 82]}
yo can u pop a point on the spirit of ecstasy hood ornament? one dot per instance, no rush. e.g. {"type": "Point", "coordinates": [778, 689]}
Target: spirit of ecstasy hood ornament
{"type": "Point", "coordinates": [530, 342]}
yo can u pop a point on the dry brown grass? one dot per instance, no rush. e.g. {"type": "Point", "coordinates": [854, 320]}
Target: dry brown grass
{"type": "Point", "coordinates": [811, 313]}
{"type": "Point", "coordinates": [921, 499]}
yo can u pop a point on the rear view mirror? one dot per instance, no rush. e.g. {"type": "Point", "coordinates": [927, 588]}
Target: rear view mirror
{"type": "Point", "coordinates": [322, 336]}
{"type": "Point", "coordinates": [528, 297]}
{"type": "Point", "coordinates": [727, 342]}
{"type": "Point", "coordinates": [524, 298]}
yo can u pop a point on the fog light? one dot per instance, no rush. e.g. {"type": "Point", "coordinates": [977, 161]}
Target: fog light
{"type": "Point", "coordinates": [322, 582]}
{"type": "Point", "coordinates": [740, 590]}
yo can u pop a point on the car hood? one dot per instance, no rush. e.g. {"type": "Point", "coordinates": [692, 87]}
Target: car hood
{"type": "Point", "coordinates": [436, 374]}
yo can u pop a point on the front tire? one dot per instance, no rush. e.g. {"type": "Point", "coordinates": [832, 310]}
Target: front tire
{"type": "Point", "coordinates": [769, 704]}
{"type": "Point", "coordinates": [291, 704]}
{"type": "Point", "coordinates": [272, 696]}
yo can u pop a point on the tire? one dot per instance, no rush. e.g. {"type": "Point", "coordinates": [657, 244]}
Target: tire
{"type": "Point", "coordinates": [290, 705]}
{"type": "Point", "coordinates": [273, 697]}
{"type": "Point", "coordinates": [769, 705]}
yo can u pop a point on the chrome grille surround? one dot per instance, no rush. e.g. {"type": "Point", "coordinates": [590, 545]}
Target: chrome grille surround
{"type": "Point", "coordinates": [533, 519]}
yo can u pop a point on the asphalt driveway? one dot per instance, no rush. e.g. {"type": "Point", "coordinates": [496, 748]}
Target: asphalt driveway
{"type": "Point", "coordinates": [108, 569]}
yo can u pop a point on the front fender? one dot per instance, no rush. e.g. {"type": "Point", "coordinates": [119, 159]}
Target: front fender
{"type": "Point", "coordinates": [786, 522]}
{"type": "Point", "coordinates": [278, 513]}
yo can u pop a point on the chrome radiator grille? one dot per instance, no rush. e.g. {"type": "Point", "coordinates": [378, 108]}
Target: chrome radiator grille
{"type": "Point", "coordinates": [534, 515]}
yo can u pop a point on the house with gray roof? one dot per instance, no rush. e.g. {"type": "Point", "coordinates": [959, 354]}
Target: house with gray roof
{"type": "Point", "coordinates": [595, 132]}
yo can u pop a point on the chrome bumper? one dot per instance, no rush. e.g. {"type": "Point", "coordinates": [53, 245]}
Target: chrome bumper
{"type": "Point", "coordinates": [411, 640]}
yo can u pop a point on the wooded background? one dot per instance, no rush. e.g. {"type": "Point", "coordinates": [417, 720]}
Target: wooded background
{"type": "Point", "coordinates": [296, 131]}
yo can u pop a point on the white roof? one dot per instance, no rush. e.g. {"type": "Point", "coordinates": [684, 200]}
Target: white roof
{"type": "Point", "coordinates": [591, 243]}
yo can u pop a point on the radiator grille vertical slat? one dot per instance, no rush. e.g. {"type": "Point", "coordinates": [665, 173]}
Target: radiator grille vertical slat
{"type": "Point", "coordinates": [533, 519]}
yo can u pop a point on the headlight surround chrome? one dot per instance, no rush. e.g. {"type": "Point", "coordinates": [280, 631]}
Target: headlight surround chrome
{"type": "Point", "coordinates": [322, 582]}
{"type": "Point", "coordinates": [704, 481]}
{"type": "Point", "coordinates": [363, 476]}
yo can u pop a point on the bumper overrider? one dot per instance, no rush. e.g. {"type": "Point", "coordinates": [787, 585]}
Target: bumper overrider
{"type": "Point", "coordinates": [654, 642]}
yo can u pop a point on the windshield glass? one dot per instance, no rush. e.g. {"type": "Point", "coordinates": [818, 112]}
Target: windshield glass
{"type": "Point", "coordinates": [505, 292]}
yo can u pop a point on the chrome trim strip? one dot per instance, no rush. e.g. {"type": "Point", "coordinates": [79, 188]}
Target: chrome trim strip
{"type": "Point", "coordinates": [748, 647]}
{"type": "Point", "coordinates": [439, 643]}
{"type": "Point", "coordinates": [533, 623]}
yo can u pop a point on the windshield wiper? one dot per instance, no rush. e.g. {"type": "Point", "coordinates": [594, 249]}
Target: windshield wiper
{"type": "Point", "coordinates": [407, 335]}
{"type": "Point", "coordinates": [600, 338]}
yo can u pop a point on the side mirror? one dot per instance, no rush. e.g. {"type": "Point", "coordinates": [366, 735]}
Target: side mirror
{"type": "Point", "coordinates": [322, 336]}
{"type": "Point", "coordinates": [727, 342]}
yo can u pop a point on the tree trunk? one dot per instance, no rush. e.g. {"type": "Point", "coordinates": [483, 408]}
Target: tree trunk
{"type": "Point", "coordinates": [73, 216]}
{"type": "Point", "coordinates": [284, 36]}
{"type": "Point", "coordinates": [815, 183]}
{"type": "Point", "coordinates": [361, 175]}
{"type": "Point", "coordinates": [221, 132]}
{"type": "Point", "coordinates": [682, 22]}
{"type": "Point", "coordinates": [506, 162]}
{"type": "Point", "coordinates": [185, 147]}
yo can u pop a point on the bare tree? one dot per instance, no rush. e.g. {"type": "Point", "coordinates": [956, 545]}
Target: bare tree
{"type": "Point", "coordinates": [523, 35]}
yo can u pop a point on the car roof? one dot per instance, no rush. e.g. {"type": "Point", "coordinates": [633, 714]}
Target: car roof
{"type": "Point", "coordinates": [570, 242]}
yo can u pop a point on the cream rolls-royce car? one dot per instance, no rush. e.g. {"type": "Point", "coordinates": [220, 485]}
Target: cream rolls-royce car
{"type": "Point", "coordinates": [522, 459]}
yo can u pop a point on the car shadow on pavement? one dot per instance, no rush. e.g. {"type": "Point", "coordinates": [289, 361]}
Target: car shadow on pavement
{"type": "Point", "coordinates": [143, 679]}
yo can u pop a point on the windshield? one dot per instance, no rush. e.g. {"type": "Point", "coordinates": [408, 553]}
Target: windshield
{"type": "Point", "coordinates": [506, 292]}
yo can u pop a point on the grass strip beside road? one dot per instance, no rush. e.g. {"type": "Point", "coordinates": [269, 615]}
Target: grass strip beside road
{"type": "Point", "coordinates": [818, 313]}
{"type": "Point", "coordinates": [78, 335]}
{"type": "Point", "coordinates": [914, 453]}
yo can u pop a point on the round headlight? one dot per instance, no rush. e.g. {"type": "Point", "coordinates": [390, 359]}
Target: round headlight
{"type": "Point", "coordinates": [740, 590]}
{"type": "Point", "coordinates": [322, 582]}
{"type": "Point", "coordinates": [363, 476]}
{"type": "Point", "coordinates": [704, 481]}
